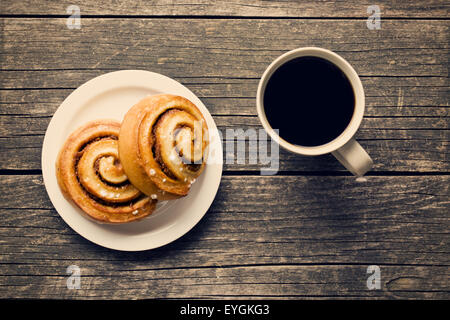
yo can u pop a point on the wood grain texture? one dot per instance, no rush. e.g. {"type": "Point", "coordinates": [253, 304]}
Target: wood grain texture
{"type": "Point", "coordinates": [309, 232]}
{"type": "Point", "coordinates": [222, 47]}
{"type": "Point", "coordinates": [253, 246]}
{"type": "Point", "coordinates": [39, 92]}
{"type": "Point", "coordinates": [406, 89]}
{"type": "Point", "coordinates": [242, 8]}
{"type": "Point", "coordinates": [395, 144]}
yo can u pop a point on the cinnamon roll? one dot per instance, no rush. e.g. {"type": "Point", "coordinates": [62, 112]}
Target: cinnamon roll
{"type": "Point", "coordinates": [90, 174]}
{"type": "Point", "coordinates": [163, 144]}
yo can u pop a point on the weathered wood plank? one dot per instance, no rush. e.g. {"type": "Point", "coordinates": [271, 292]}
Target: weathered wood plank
{"type": "Point", "coordinates": [11, 126]}
{"type": "Point", "coordinates": [299, 245]}
{"type": "Point", "coordinates": [381, 211]}
{"type": "Point", "coordinates": [385, 96]}
{"type": "Point", "coordinates": [263, 282]}
{"type": "Point", "coordinates": [260, 8]}
{"type": "Point", "coordinates": [396, 144]}
{"type": "Point", "coordinates": [390, 155]}
{"type": "Point", "coordinates": [222, 47]}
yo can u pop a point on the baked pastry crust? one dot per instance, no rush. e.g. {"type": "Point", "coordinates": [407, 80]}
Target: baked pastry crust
{"type": "Point", "coordinates": [163, 143]}
{"type": "Point", "coordinates": [90, 174]}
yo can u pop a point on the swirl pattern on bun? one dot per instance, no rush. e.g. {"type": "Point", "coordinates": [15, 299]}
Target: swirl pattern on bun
{"type": "Point", "coordinates": [163, 145]}
{"type": "Point", "coordinates": [90, 174]}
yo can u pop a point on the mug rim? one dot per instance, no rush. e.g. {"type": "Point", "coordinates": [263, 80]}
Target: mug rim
{"type": "Point", "coordinates": [351, 75]}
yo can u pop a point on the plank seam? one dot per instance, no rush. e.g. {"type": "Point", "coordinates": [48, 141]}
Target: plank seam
{"type": "Point", "coordinates": [210, 17]}
{"type": "Point", "coordinates": [10, 172]}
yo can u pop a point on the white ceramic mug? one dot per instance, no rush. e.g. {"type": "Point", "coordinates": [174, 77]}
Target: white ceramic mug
{"type": "Point", "coordinates": [344, 147]}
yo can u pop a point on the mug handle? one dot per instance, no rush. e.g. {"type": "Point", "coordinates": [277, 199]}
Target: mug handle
{"type": "Point", "coordinates": [354, 158]}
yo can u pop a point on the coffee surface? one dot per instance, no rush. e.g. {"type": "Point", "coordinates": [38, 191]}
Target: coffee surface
{"type": "Point", "coordinates": [309, 100]}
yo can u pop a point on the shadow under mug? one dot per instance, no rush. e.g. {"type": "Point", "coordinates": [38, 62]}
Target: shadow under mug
{"type": "Point", "coordinates": [344, 147]}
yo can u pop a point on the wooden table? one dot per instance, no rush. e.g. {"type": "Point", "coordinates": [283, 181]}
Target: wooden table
{"type": "Point", "coordinates": [311, 231]}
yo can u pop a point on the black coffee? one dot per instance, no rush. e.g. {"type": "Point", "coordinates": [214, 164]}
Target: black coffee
{"type": "Point", "coordinates": [309, 100]}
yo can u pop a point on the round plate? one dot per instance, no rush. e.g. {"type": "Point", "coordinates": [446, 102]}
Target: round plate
{"type": "Point", "coordinates": [110, 96]}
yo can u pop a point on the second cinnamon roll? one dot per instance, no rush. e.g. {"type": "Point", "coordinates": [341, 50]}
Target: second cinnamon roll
{"type": "Point", "coordinates": [163, 144]}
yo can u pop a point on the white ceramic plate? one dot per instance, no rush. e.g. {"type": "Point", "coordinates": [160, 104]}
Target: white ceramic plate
{"type": "Point", "coordinates": [110, 96]}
